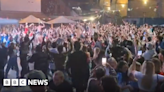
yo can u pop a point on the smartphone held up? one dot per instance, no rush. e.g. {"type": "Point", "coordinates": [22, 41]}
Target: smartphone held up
{"type": "Point", "coordinates": [139, 53]}
{"type": "Point", "coordinates": [104, 61]}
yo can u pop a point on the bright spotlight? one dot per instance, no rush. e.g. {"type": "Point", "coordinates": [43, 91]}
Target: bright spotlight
{"type": "Point", "coordinates": [123, 5]}
{"type": "Point", "coordinates": [85, 20]}
{"type": "Point", "coordinates": [92, 18]}
{"type": "Point", "coordinates": [109, 8]}
{"type": "Point", "coordinates": [145, 2]}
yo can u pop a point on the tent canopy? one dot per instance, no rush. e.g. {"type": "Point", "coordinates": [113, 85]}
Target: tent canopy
{"type": "Point", "coordinates": [31, 19]}
{"type": "Point", "coordinates": [61, 19]}
{"type": "Point", "coordinates": [9, 21]}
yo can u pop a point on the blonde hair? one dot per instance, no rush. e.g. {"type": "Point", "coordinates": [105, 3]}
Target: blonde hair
{"type": "Point", "coordinates": [157, 65]}
{"type": "Point", "coordinates": [96, 50]}
{"type": "Point", "coordinates": [147, 79]}
{"type": "Point", "coordinates": [112, 61]}
{"type": "Point", "coordinates": [129, 53]}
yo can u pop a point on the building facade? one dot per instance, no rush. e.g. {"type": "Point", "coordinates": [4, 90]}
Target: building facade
{"type": "Point", "coordinates": [55, 7]}
{"type": "Point", "coordinates": [136, 8]}
{"type": "Point", "coordinates": [21, 5]}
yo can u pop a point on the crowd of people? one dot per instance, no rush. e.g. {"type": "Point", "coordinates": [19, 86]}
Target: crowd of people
{"type": "Point", "coordinates": [85, 57]}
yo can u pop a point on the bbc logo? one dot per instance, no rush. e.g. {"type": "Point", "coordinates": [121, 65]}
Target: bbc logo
{"type": "Point", "coordinates": [14, 82]}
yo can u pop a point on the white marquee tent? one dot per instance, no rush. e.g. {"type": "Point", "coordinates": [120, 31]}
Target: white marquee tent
{"type": "Point", "coordinates": [31, 19]}
{"type": "Point", "coordinates": [61, 19]}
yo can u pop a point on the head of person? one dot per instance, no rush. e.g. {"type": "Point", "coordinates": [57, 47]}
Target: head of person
{"type": "Point", "coordinates": [12, 45]}
{"type": "Point", "coordinates": [149, 39]}
{"type": "Point", "coordinates": [58, 78]}
{"type": "Point", "coordinates": [38, 48]}
{"type": "Point", "coordinates": [99, 73]}
{"type": "Point", "coordinates": [112, 62]}
{"type": "Point", "coordinates": [157, 65]}
{"type": "Point", "coordinates": [109, 84]}
{"type": "Point", "coordinates": [60, 49]}
{"type": "Point", "coordinates": [54, 45]}
{"type": "Point", "coordinates": [161, 55]}
{"type": "Point", "coordinates": [96, 50]}
{"type": "Point", "coordinates": [85, 49]}
{"type": "Point", "coordinates": [26, 39]}
{"type": "Point", "coordinates": [122, 66]}
{"type": "Point", "coordinates": [149, 71]}
{"type": "Point", "coordinates": [36, 74]}
{"type": "Point", "coordinates": [3, 44]}
{"type": "Point", "coordinates": [149, 46]}
{"type": "Point", "coordinates": [77, 45]}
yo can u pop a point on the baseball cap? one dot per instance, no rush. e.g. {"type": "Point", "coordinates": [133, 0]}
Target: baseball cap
{"type": "Point", "coordinates": [36, 74]}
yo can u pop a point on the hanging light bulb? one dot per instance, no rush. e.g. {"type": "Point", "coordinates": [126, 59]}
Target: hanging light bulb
{"type": "Point", "coordinates": [155, 9]}
{"type": "Point", "coordinates": [145, 2]}
{"type": "Point", "coordinates": [123, 5]}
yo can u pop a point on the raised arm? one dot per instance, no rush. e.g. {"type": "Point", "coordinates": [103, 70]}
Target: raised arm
{"type": "Point", "coordinates": [43, 25]}
{"type": "Point", "coordinates": [32, 39]}
{"type": "Point", "coordinates": [132, 67]}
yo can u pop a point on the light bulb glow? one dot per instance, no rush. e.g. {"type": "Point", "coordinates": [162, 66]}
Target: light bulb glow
{"type": "Point", "coordinates": [145, 2]}
{"type": "Point", "coordinates": [123, 5]}
{"type": "Point", "coordinates": [109, 8]}
{"type": "Point", "coordinates": [85, 20]}
{"type": "Point", "coordinates": [92, 18]}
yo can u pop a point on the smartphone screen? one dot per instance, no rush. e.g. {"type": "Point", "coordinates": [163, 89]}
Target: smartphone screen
{"type": "Point", "coordinates": [144, 39]}
{"type": "Point", "coordinates": [72, 36]}
{"type": "Point", "coordinates": [132, 36]}
{"type": "Point", "coordinates": [110, 40]}
{"type": "Point", "coordinates": [144, 33]}
{"type": "Point", "coordinates": [45, 40]}
{"type": "Point", "coordinates": [139, 53]}
{"type": "Point", "coordinates": [104, 61]}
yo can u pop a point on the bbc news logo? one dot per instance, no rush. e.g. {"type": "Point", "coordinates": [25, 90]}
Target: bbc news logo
{"type": "Point", "coordinates": [24, 82]}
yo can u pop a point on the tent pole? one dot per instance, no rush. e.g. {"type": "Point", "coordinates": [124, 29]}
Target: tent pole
{"type": "Point", "coordinates": [51, 25]}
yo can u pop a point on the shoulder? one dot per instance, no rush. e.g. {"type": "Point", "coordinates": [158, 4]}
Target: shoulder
{"type": "Point", "coordinates": [51, 90]}
{"type": "Point", "coordinates": [138, 75]}
{"type": "Point", "coordinates": [159, 77]}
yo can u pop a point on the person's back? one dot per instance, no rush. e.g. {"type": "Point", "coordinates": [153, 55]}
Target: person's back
{"type": "Point", "coordinates": [109, 84]}
{"type": "Point", "coordinates": [78, 63]}
{"type": "Point", "coordinates": [40, 59]}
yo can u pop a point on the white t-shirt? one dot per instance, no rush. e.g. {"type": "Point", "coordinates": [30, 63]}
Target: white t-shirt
{"type": "Point", "coordinates": [139, 76]}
